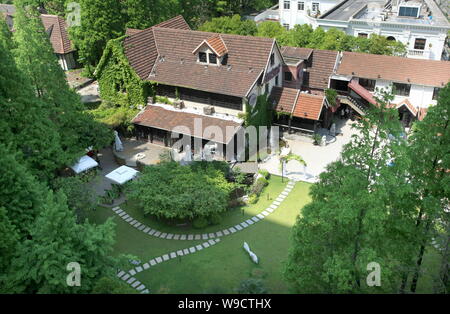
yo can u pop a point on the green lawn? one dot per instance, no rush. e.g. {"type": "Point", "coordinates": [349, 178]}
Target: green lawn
{"type": "Point", "coordinates": [219, 268]}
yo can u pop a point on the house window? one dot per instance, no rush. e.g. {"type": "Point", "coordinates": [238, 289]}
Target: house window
{"type": "Point", "coordinates": [212, 58]}
{"type": "Point", "coordinates": [272, 59]}
{"type": "Point", "coordinates": [276, 80]}
{"type": "Point", "coordinates": [287, 4]}
{"type": "Point", "coordinates": [288, 76]}
{"type": "Point", "coordinates": [420, 43]}
{"type": "Point", "coordinates": [301, 6]}
{"type": "Point", "coordinates": [202, 57]}
{"type": "Point", "coordinates": [402, 89]}
{"type": "Point", "coordinates": [363, 35]}
{"type": "Point", "coordinates": [367, 84]}
{"type": "Point", "coordinates": [286, 26]}
{"type": "Point", "coordinates": [436, 93]}
{"type": "Point", "coordinates": [315, 7]}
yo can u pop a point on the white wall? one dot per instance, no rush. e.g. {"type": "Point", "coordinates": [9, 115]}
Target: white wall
{"type": "Point", "coordinates": [419, 96]}
{"type": "Point", "coordinates": [294, 16]}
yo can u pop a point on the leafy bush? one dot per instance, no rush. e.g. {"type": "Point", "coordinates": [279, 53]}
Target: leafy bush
{"type": "Point", "coordinates": [215, 219]}
{"type": "Point", "coordinates": [162, 100]}
{"type": "Point", "coordinates": [264, 173]}
{"type": "Point", "coordinates": [182, 192]}
{"type": "Point", "coordinates": [253, 198]}
{"type": "Point", "coordinates": [200, 223]}
{"type": "Point", "coordinates": [251, 286]}
{"type": "Point", "coordinates": [107, 285]}
{"type": "Point", "coordinates": [259, 185]}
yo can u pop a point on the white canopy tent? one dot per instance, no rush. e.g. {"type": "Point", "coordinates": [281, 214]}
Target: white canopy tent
{"type": "Point", "coordinates": [122, 174]}
{"type": "Point", "coordinates": [83, 164]}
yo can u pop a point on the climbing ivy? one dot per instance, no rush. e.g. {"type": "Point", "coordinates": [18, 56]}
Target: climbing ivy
{"type": "Point", "coordinates": [260, 114]}
{"type": "Point", "coordinates": [118, 82]}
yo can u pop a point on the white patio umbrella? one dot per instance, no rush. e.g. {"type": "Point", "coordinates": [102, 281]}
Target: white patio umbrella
{"type": "Point", "coordinates": [118, 143]}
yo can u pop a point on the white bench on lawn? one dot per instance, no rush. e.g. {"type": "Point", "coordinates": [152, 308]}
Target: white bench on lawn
{"type": "Point", "coordinates": [84, 163]}
{"type": "Point", "coordinates": [122, 174]}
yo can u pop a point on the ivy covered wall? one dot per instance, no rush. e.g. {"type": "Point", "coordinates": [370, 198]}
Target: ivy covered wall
{"type": "Point", "coordinates": [119, 84]}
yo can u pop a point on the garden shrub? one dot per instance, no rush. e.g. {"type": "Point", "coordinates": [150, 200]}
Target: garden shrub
{"type": "Point", "coordinates": [182, 192]}
{"type": "Point", "coordinates": [251, 286]}
{"type": "Point", "coordinates": [264, 173]}
{"type": "Point", "coordinates": [253, 198]}
{"type": "Point", "coordinates": [215, 219]}
{"type": "Point", "coordinates": [259, 185]}
{"type": "Point", "coordinates": [200, 223]}
{"type": "Point", "coordinates": [163, 100]}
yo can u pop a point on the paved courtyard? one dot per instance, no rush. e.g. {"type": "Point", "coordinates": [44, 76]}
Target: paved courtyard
{"type": "Point", "coordinates": [146, 152]}
{"type": "Point", "coordinates": [316, 157]}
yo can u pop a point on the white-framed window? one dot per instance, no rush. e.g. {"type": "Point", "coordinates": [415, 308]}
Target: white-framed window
{"type": "Point", "coordinates": [419, 44]}
{"type": "Point", "coordinates": [203, 57]}
{"type": "Point", "coordinates": [287, 4]}
{"type": "Point", "coordinates": [301, 5]}
{"type": "Point", "coordinates": [315, 6]}
{"type": "Point", "coordinates": [212, 58]}
{"type": "Point", "coordinates": [286, 26]}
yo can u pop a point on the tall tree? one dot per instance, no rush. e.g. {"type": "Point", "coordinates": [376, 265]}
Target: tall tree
{"type": "Point", "coordinates": [351, 218]}
{"type": "Point", "coordinates": [100, 22]}
{"type": "Point", "coordinates": [430, 177]}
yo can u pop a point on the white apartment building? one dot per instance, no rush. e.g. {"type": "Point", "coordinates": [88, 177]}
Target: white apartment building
{"type": "Point", "coordinates": [419, 24]}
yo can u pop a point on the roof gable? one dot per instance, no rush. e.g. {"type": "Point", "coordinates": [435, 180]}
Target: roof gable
{"type": "Point", "coordinates": [56, 28]}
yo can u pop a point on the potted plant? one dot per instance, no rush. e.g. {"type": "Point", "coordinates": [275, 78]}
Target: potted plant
{"type": "Point", "coordinates": [317, 138]}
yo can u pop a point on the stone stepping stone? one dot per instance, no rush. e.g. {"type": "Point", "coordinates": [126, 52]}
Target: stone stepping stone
{"type": "Point", "coordinates": [205, 236]}
{"type": "Point", "coordinates": [199, 247]}
{"type": "Point", "coordinates": [163, 235]}
{"type": "Point", "coordinates": [129, 219]}
{"type": "Point", "coordinates": [190, 237]}
{"type": "Point", "coordinates": [249, 221]}
{"type": "Point", "coordinates": [139, 269]}
{"type": "Point", "coordinates": [212, 242]}
{"type": "Point", "coordinates": [180, 253]}
{"type": "Point", "coordinates": [122, 214]}
{"type": "Point", "coordinates": [119, 211]}
{"type": "Point", "coordinates": [131, 280]}
{"type": "Point", "coordinates": [232, 230]}
{"type": "Point", "coordinates": [151, 232]}
{"type": "Point", "coordinates": [265, 213]}
{"type": "Point", "coordinates": [146, 266]}
{"type": "Point", "coordinates": [273, 206]}
{"type": "Point", "coordinates": [276, 203]}
{"type": "Point", "coordinates": [185, 251]}
{"type": "Point", "coordinates": [284, 193]}
{"type": "Point", "coordinates": [158, 259]}
{"type": "Point", "coordinates": [244, 224]}
{"type": "Point", "coordinates": [198, 236]}
{"type": "Point", "coordinates": [116, 209]}
{"type": "Point", "coordinates": [255, 219]}
{"type": "Point", "coordinates": [166, 257]}
{"type": "Point", "coordinates": [126, 216]}
{"type": "Point", "coordinates": [205, 245]}
{"type": "Point", "coordinates": [176, 236]}
{"type": "Point", "coordinates": [136, 283]}
{"type": "Point", "coordinates": [141, 287]}
{"type": "Point", "coordinates": [238, 227]}
{"type": "Point", "coordinates": [147, 229]}
{"type": "Point", "coordinates": [226, 232]}
{"type": "Point", "coordinates": [145, 291]}
{"type": "Point", "coordinates": [260, 216]}
{"type": "Point", "coordinates": [281, 197]}
{"type": "Point", "coordinates": [270, 210]}
{"type": "Point", "coordinates": [173, 255]}
{"type": "Point", "coordinates": [125, 277]}
{"type": "Point", "coordinates": [217, 240]}
{"type": "Point", "coordinates": [219, 233]}
{"type": "Point", "coordinates": [152, 262]}
{"type": "Point", "coordinates": [141, 227]}
{"type": "Point", "coordinates": [121, 273]}
{"type": "Point", "coordinates": [212, 235]}
{"type": "Point", "coordinates": [158, 233]}
{"type": "Point", "coordinates": [169, 236]}
{"type": "Point", "coordinates": [183, 237]}
{"type": "Point", "coordinates": [132, 272]}
{"type": "Point", "coordinates": [192, 249]}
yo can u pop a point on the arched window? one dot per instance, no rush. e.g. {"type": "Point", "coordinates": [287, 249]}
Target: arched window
{"type": "Point", "coordinates": [391, 38]}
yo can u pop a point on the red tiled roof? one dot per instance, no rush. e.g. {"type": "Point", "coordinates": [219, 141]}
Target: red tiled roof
{"type": "Point", "coordinates": [57, 29]}
{"type": "Point", "coordinates": [308, 106]}
{"type": "Point", "coordinates": [177, 65]}
{"type": "Point", "coordinates": [132, 31]}
{"type": "Point", "coordinates": [177, 22]}
{"type": "Point", "coordinates": [296, 52]}
{"type": "Point", "coordinates": [217, 44]}
{"type": "Point", "coordinates": [396, 69]}
{"type": "Point", "coordinates": [284, 98]}
{"type": "Point", "coordinates": [177, 121]}
{"type": "Point", "coordinates": [408, 105]}
{"type": "Point", "coordinates": [422, 113]}
{"type": "Point", "coordinates": [361, 91]}
{"type": "Point", "coordinates": [321, 68]}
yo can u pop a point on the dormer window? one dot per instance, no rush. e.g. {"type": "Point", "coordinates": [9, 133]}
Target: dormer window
{"type": "Point", "coordinates": [272, 59]}
{"type": "Point", "coordinates": [202, 57]}
{"type": "Point", "coordinates": [212, 58]}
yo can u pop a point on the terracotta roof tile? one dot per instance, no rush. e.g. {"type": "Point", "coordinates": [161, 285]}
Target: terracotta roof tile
{"type": "Point", "coordinates": [165, 119]}
{"type": "Point", "coordinates": [405, 102]}
{"type": "Point", "coordinates": [396, 69]}
{"type": "Point", "coordinates": [296, 52]}
{"type": "Point", "coordinates": [217, 44]}
{"type": "Point", "coordinates": [308, 106]}
{"type": "Point", "coordinates": [284, 98]}
{"type": "Point", "coordinates": [57, 29]}
{"type": "Point", "coordinates": [320, 69]}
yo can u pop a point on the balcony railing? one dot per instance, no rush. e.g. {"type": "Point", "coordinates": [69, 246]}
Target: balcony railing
{"type": "Point", "coordinates": [418, 53]}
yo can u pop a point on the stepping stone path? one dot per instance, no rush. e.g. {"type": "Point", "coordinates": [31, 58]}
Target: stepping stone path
{"type": "Point", "coordinates": [206, 236]}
